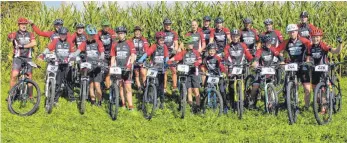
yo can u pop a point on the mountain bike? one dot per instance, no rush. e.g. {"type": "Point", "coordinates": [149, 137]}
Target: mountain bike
{"type": "Point", "coordinates": [211, 97]}
{"type": "Point", "coordinates": [21, 100]}
{"type": "Point", "coordinates": [50, 86]}
{"type": "Point", "coordinates": [85, 67]}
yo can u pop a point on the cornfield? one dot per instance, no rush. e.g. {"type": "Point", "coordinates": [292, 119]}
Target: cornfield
{"type": "Point", "coordinates": [329, 16]}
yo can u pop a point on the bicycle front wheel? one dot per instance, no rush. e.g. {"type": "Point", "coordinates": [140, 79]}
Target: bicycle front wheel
{"type": "Point", "coordinates": [292, 102]}
{"type": "Point", "coordinates": [114, 102]}
{"type": "Point", "coordinates": [24, 98]}
{"type": "Point", "coordinates": [183, 99]}
{"type": "Point", "coordinates": [212, 102]}
{"type": "Point", "coordinates": [149, 103]}
{"type": "Point", "coordinates": [83, 95]}
{"type": "Point", "coordinates": [322, 104]}
{"type": "Point", "coordinates": [271, 100]}
{"type": "Point", "coordinates": [50, 96]}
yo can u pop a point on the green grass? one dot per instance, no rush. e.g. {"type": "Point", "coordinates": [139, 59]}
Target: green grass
{"type": "Point", "coordinates": [65, 124]}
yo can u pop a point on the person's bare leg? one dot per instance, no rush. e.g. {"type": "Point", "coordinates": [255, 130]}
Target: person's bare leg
{"type": "Point", "coordinates": [129, 95]}
{"type": "Point", "coordinates": [91, 91]}
{"type": "Point", "coordinates": [307, 88]}
{"type": "Point", "coordinates": [121, 93]}
{"type": "Point", "coordinates": [137, 78]}
{"type": "Point", "coordinates": [190, 98]}
{"type": "Point", "coordinates": [98, 91]}
{"type": "Point", "coordinates": [197, 96]}
{"type": "Point", "coordinates": [143, 73]}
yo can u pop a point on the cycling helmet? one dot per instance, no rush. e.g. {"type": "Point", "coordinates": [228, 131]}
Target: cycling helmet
{"type": "Point", "coordinates": [247, 21]}
{"type": "Point", "coordinates": [304, 14]}
{"type": "Point", "coordinates": [79, 25]}
{"type": "Point", "coordinates": [167, 21]}
{"type": "Point", "coordinates": [121, 29]}
{"type": "Point", "coordinates": [218, 20]}
{"type": "Point", "coordinates": [23, 21]}
{"type": "Point", "coordinates": [317, 32]}
{"type": "Point", "coordinates": [292, 27]}
{"type": "Point", "coordinates": [58, 22]}
{"type": "Point", "coordinates": [235, 32]}
{"type": "Point", "coordinates": [268, 21]}
{"type": "Point", "coordinates": [159, 35]}
{"type": "Point", "coordinates": [207, 18]}
{"type": "Point", "coordinates": [137, 28]}
{"type": "Point", "coordinates": [63, 30]}
{"type": "Point", "coordinates": [91, 30]}
{"type": "Point", "coordinates": [212, 46]}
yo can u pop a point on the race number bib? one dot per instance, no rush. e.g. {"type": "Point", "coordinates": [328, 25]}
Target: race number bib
{"type": "Point", "coordinates": [152, 73]}
{"type": "Point", "coordinates": [183, 68]}
{"type": "Point", "coordinates": [159, 59]}
{"type": "Point", "coordinates": [86, 65]}
{"type": "Point", "coordinates": [291, 67]}
{"type": "Point", "coordinates": [52, 68]}
{"type": "Point", "coordinates": [236, 71]}
{"type": "Point", "coordinates": [51, 56]}
{"type": "Point", "coordinates": [213, 80]}
{"type": "Point", "coordinates": [115, 70]}
{"type": "Point", "coordinates": [321, 68]}
{"type": "Point", "coordinates": [267, 71]}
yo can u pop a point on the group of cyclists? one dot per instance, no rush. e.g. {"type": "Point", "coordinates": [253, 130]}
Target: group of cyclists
{"type": "Point", "coordinates": [205, 50]}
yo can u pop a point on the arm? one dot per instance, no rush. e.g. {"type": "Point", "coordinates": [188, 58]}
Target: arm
{"type": "Point", "coordinates": [11, 36]}
{"type": "Point", "coordinates": [198, 59]}
{"type": "Point", "coordinates": [166, 53]}
{"type": "Point", "coordinates": [113, 35]}
{"type": "Point", "coordinates": [145, 42]}
{"type": "Point", "coordinates": [281, 47]}
{"type": "Point", "coordinates": [203, 43]}
{"type": "Point", "coordinates": [212, 35]}
{"type": "Point", "coordinates": [72, 49]}
{"type": "Point", "coordinates": [279, 35]}
{"type": "Point", "coordinates": [247, 53]}
{"type": "Point", "coordinates": [51, 46]}
{"type": "Point", "coordinates": [227, 32]}
{"type": "Point", "coordinates": [113, 54]}
{"type": "Point", "coordinates": [41, 33]}
{"type": "Point", "coordinates": [258, 45]}
{"type": "Point", "coordinates": [178, 56]}
{"type": "Point", "coordinates": [226, 52]}
{"type": "Point", "coordinates": [32, 42]}
{"type": "Point", "coordinates": [132, 51]}
{"type": "Point", "coordinates": [176, 42]}
{"type": "Point", "coordinates": [220, 65]}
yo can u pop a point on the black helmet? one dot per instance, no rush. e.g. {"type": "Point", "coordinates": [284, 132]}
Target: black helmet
{"type": "Point", "coordinates": [79, 25]}
{"type": "Point", "coordinates": [167, 21]}
{"type": "Point", "coordinates": [207, 18]}
{"type": "Point", "coordinates": [247, 20]}
{"type": "Point", "coordinates": [212, 46]}
{"type": "Point", "coordinates": [58, 22]}
{"type": "Point", "coordinates": [63, 30]}
{"type": "Point", "coordinates": [268, 21]}
{"type": "Point", "coordinates": [304, 14]}
{"type": "Point", "coordinates": [137, 28]}
{"type": "Point", "coordinates": [121, 29]}
{"type": "Point", "coordinates": [266, 38]}
{"type": "Point", "coordinates": [218, 20]}
{"type": "Point", "coordinates": [235, 32]}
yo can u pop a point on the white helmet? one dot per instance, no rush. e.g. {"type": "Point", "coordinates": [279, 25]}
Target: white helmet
{"type": "Point", "coordinates": [292, 27]}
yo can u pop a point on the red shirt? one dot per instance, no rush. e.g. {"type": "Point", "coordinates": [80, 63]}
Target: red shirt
{"type": "Point", "coordinates": [152, 49]}
{"type": "Point", "coordinates": [278, 33]}
{"type": "Point", "coordinates": [44, 33]}
{"type": "Point", "coordinates": [130, 44]}
{"type": "Point", "coordinates": [83, 46]}
{"type": "Point", "coordinates": [284, 44]}
{"type": "Point", "coordinates": [201, 35]}
{"type": "Point", "coordinates": [260, 51]}
{"type": "Point", "coordinates": [245, 49]}
{"type": "Point", "coordinates": [179, 56]}
{"type": "Point", "coordinates": [53, 44]}
{"type": "Point", "coordinates": [219, 60]}
{"type": "Point", "coordinates": [224, 29]}
{"type": "Point", "coordinates": [145, 43]}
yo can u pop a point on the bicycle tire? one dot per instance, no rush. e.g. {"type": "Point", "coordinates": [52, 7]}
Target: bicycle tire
{"type": "Point", "coordinates": [83, 96]}
{"type": "Point", "coordinates": [337, 100]}
{"type": "Point", "coordinates": [114, 102]}
{"type": "Point", "coordinates": [11, 98]}
{"type": "Point", "coordinates": [248, 89]}
{"type": "Point", "coordinates": [149, 98]}
{"type": "Point", "coordinates": [318, 98]}
{"type": "Point", "coordinates": [219, 99]}
{"type": "Point", "coordinates": [273, 99]}
{"type": "Point", "coordinates": [183, 99]}
{"type": "Point", "coordinates": [292, 106]}
{"type": "Point", "coordinates": [51, 94]}
{"type": "Point", "coordinates": [239, 104]}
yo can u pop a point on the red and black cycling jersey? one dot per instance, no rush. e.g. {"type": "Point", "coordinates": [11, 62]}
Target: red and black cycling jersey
{"type": "Point", "coordinates": [220, 38]}
{"type": "Point", "coordinates": [189, 57]}
{"type": "Point", "coordinates": [198, 38]}
{"type": "Point", "coordinates": [123, 50]}
{"type": "Point", "coordinates": [106, 38]}
{"type": "Point", "coordinates": [237, 53]}
{"type": "Point", "coordinates": [296, 49]}
{"type": "Point", "coordinates": [77, 39]}
{"type": "Point", "coordinates": [22, 38]}
{"type": "Point", "coordinates": [51, 34]}
{"type": "Point", "coordinates": [267, 56]}
{"type": "Point", "coordinates": [141, 45]}
{"type": "Point", "coordinates": [158, 55]}
{"type": "Point", "coordinates": [170, 37]}
{"type": "Point", "coordinates": [276, 36]}
{"type": "Point", "coordinates": [92, 48]}
{"type": "Point", "coordinates": [62, 48]}
{"type": "Point", "coordinates": [249, 37]}
{"type": "Point", "coordinates": [305, 30]}
{"type": "Point", "coordinates": [319, 53]}
{"type": "Point", "coordinates": [213, 64]}
{"type": "Point", "coordinates": [206, 31]}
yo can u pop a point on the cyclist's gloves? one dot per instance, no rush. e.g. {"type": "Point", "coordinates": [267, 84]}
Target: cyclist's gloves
{"type": "Point", "coordinates": [339, 39]}
{"type": "Point", "coordinates": [142, 59]}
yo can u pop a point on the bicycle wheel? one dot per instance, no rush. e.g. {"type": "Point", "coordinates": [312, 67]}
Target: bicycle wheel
{"type": "Point", "coordinates": [50, 96]}
{"type": "Point", "coordinates": [83, 96]}
{"type": "Point", "coordinates": [248, 89]}
{"type": "Point", "coordinates": [212, 100]}
{"type": "Point", "coordinates": [322, 104]}
{"type": "Point", "coordinates": [149, 103]}
{"type": "Point", "coordinates": [183, 99]}
{"type": "Point", "coordinates": [337, 98]}
{"type": "Point", "coordinates": [292, 102]}
{"type": "Point", "coordinates": [239, 100]}
{"type": "Point", "coordinates": [114, 102]}
{"type": "Point", "coordinates": [271, 99]}
{"type": "Point", "coordinates": [23, 102]}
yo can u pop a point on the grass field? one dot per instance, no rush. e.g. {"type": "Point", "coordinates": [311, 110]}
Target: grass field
{"type": "Point", "coordinates": [65, 124]}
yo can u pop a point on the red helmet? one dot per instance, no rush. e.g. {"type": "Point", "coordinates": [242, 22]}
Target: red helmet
{"type": "Point", "coordinates": [317, 32]}
{"type": "Point", "coordinates": [23, 21]}
{"type": "Point", "coordinates": [159, 35]}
